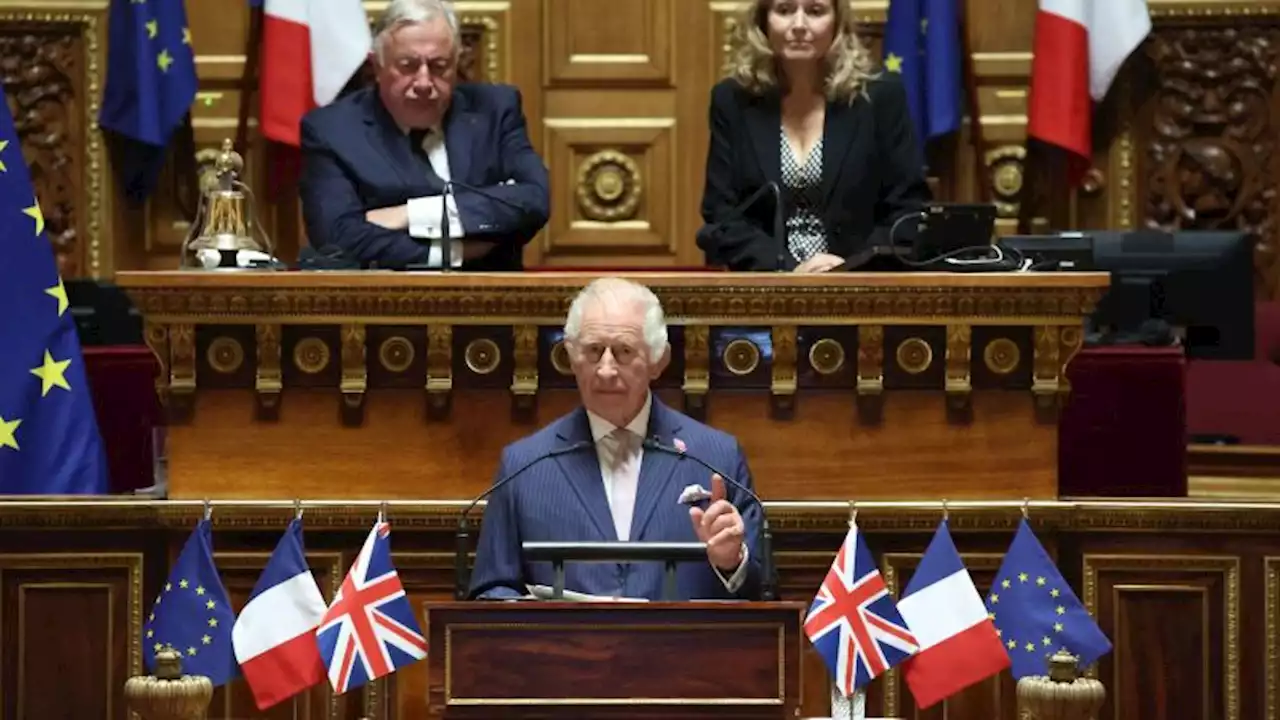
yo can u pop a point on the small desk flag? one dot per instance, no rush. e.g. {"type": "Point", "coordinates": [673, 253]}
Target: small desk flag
{"type": "Point", "coordinates": [49, 439]}
{"type": "Point", "coordinates": [1036, 612]}
{"type": "Point", "coordinates": [192, 614]}
{"type": "Point", "coordinates": [151, 84]}
{"type": "Point", "coordinates": [922, 45]}
{"type": "Point", "coordinates": [853, 622]}
{"type": "Point", "coordinates": [958, 644]}
{"type": "Point", "coordinates": [275, 634]}
{"type": "Point", "coordinates": [369, 630]}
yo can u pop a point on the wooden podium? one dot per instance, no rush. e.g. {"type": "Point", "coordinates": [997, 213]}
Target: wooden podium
{"type": "Point", "coordinates": [635, 660]}
{"type": "Point", "coordinates": [281, 385]}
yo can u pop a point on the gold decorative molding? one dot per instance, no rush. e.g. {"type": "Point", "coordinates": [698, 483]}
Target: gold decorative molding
{"type": "Point", "coordinates": [524, 382]}
{"type": "Point", "coordinates": [782, 386]}
{"type": "Point", "coordinates": [697, 373]}
{"type": "Point", "coordinates": [740, 357]}
{"type": "Point", "coordinates": [268, 378]}
{"type": "Point", "coordinates": [542, 298]}
{"type": "Point", "coordinates": [826, 356]}
{"type": "Point", "coordinates": [355, 374]}
{"type": "Point", "coordinates": [1209, 9]}
{"type": "Point", "coordinates": [609, 187]}
{"type": "Point", "coordinates": [225, 355]}
{"type": "Point", "coordinates": [1048, 516]}
{"type": "Point", "coordinates": [439, 370]}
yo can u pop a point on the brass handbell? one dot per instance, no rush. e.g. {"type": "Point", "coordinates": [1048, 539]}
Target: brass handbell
{"type": "Point", "coordinates": [225, 220]}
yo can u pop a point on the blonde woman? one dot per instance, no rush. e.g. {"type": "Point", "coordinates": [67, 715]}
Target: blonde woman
{"type": "Point", "coordinates": [804, 107]}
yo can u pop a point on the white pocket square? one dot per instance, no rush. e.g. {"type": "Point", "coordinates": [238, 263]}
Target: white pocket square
{"type": "Point", "coordinates": [694, 494]}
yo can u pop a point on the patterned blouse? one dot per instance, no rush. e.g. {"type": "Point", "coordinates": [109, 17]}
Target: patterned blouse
{"type": "Point", "coordinates": [806, 235]}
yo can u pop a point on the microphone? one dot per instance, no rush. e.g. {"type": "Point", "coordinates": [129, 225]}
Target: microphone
{"type": "Point", "coordinates": [768, 589]}
{"type": "Point", "coordinates": [462, 537]}
{"type": "Point", "coordinates": [485, 193]}
{"type": "Point", "coordinates": [709, 232]}
{"type": "Point", "coordinates": [446, 246]}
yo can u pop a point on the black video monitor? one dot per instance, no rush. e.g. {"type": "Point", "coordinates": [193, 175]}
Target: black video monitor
{"type": "Point", "coordinates": [1066, 252]}
{"type": "Point", "coordinates": [103, 313]}
{"type": "Point", "coordinates": [1199, 282]}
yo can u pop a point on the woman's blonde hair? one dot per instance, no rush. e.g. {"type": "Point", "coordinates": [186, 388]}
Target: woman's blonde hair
{"type": "Point", "coordinates": [751, 61]}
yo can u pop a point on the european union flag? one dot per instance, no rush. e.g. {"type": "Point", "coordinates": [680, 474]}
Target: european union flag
{"type": "Point", "coordinates": [922, 44]}
{"type": "Point", "coordinates": [192, 614]}
{"type": "Point", "coordinates": [49, 441]}
{"type": "Point", "coordinates": [151, 83]}
{"type": "Point", "coordinates": [1036, 613]}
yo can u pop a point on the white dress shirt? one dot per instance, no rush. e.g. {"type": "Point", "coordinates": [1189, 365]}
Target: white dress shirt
{"type": "Point", "coordinates": [620, 462]}
{"type": "Point", "coordinates": [425, 213]}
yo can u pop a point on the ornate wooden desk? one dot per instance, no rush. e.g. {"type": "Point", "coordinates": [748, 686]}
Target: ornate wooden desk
{"type": "Point", "coordinates": [393, 385]}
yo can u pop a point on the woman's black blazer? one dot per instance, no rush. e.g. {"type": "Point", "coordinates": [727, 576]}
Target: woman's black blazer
{"type": "Point", "coordinates": [872, 173]}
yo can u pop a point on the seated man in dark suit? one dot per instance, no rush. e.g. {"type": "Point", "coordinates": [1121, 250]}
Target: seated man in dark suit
{"type": "Point", "coordinates": [376, 161]}
{"type": "Point", "coordinates": [616, 490]}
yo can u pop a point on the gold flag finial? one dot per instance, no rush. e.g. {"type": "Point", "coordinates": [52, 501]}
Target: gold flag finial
{"type": "Point", "coordinates": [168, 694]}
{"type": "Point", "coordinates": [1060, 695]}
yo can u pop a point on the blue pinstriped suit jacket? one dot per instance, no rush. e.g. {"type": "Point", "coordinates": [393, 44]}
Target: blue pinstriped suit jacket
{"type": "Point", "coordinates": [562, 499]}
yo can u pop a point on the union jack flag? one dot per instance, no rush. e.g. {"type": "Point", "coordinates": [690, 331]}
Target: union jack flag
{"type": "Point", "coordinates": [853, 622]}
{"type": "Point", "coordinates": [369, 630]}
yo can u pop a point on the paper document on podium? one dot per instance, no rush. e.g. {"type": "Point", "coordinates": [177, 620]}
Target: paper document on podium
{"type": "Point", "coordinates": [544, 592]}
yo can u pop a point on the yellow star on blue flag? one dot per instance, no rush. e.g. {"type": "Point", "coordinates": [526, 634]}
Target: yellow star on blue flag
{"type": "Point", "coordinates": [151, 84]}
{"type": "Point", "coordinates": [1036, 612]}
{"type": "Point", "coordinates": [192, 614]}
{"type": "Point", "coordinates": [49, 439]}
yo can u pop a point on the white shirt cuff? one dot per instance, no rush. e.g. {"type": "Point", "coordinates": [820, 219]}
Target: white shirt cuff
{"type": "Point", "coordinates": [425, 218]}
{"type": "Point", "coordinates": [739, 576]}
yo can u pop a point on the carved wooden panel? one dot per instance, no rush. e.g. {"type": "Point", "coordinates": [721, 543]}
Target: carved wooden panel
{"type": "Point", "coordinates": [595, 42]}
{"type": "Point", "coordinates": [1208, 156]}
{"type": "Point", "coordinates": [52, 75]}
{"type": "Point", "coordinates": [613, 189]}
{"type": "Point", "coordinates": [68, 622]}
{"type": "Point", "coordinates": [239, 572]}
{"type": "Point", "coordinates": [1168, 606]}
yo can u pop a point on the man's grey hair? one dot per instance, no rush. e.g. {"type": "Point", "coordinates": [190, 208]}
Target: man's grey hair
{"type": "Point", "coordinates": [411, 12]}
{"type": "Point", "coordinates": [619, 289]}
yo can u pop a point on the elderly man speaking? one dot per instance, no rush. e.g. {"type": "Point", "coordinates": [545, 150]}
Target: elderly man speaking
{"type": "Point", "coordinates": [613, 490]}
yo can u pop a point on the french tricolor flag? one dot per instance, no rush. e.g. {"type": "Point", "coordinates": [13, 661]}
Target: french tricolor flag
{"type": "Point", "coordinates": [1079, 47]}
{"type": "Point", "coordinates": [310, 49]}
{"type": "Point", "coordinates": [274, 636]}
{"type": "Point", "coordinates": [958, 642]}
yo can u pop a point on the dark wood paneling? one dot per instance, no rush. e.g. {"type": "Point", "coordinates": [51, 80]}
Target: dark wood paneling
{"type": "Point", "coordinates": [1187, 592]}
{"type": "Point", "coordinates": [70, 631]}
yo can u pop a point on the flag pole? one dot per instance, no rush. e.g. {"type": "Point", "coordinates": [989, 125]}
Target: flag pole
{"type": "Point", "coordinates": [970, 79]}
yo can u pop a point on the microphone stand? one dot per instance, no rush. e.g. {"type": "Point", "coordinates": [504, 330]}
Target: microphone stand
{"type": "Point", "coordinates": [446, 247]}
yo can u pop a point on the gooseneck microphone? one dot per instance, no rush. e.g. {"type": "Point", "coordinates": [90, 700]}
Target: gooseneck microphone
{"type": "Point", "coordinates": [713, 231]}
{"type": "Point", "coordinates": [462, 537]}
{"type": "Point", "coordinates": [446, 241]}
{"type": "Point", "coordinates": [768, 588]}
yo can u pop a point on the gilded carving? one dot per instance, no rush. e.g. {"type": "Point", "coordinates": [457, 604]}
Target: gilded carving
{"type": "Point", "coordinates": [524, 381]}
{"type": "Point", "coordinates": [355, 376]}
{"type": "Point", "coordinates": [543, 304]}
{"type": "Point", "coordinates": [782, 387]}
{"type": "Point", "coordinates": [560, 359]}
{"type": "Point", "coordinates": [697, 361]}
{"type": "Point", "coordinates": [311, 355]}
{"type": "Point", "coordinates": [1001, 356]}
{"type": "Point", "coordinates": [1005, 165]}
{"type": "Point", "coordinates": [54, 95]}
{"type": "Point", "coordinates": [959, 387]}
{"type": "Point", "coordinates": [482, 356]}
{"type": "Point", "coordinates": [826, 356]}
{"type": "Point", "coordinates": [741, 357]}
{"type": "Point", "coordinates": [1212, 136]}
{"type": "Point", "coordinates": [870, 386]}
{"type": "Point", "coordinates": [225, 355]}
{"type": "Point", "coordinates": [157, 338]}
{"type": "Point", "coordinates": [609, 187]}
{"type": "Point", "coordinates": [182, 368]}
{"type": "Point", "coordinates": [396, 354]}
{"type": "Point", "coordinates": [914, 355]}
{"type": "Point", "coordinates": [268, 380]}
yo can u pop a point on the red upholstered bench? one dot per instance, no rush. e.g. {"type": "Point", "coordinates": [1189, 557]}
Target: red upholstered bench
{"type": "Point", "coordinates": [1240, 398]}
